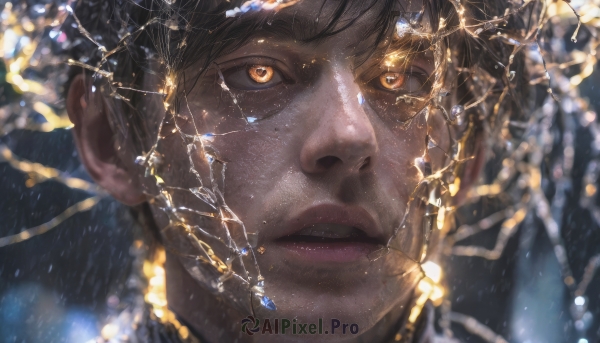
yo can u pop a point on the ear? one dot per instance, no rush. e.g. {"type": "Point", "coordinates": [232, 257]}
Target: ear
{"type": "Point", "coordinates": [471, 170]}
{"type": "Point", "coordinates": [94, 140]}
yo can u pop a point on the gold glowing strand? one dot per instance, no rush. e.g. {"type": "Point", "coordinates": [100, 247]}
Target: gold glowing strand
{"type": "Point", "coordinates": [466, 230]}
{"type": "Point", "coordinates": [473, 326]}
{"type": "Point", "coordinates": [55, 121]}
{"type": "Point", "coordinates": [588, 275]}
{"type": "Point", "coordinates": [24, 235]}
{"type": "Point", "coordinates": [103, 73]}
{"type": "Point", "coordinates": [508, 229]}
{"type": "Point", "coordinates": [40, 173]}
{"type": "Point", "coordinates": [156, 296]}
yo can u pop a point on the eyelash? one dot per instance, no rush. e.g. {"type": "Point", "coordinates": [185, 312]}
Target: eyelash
{"type": "Point", "coordinates": [421, 77]}
{"type": "Point", "coordinates": [244, 81]}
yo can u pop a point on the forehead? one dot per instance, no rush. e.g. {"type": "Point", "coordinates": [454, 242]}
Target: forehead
{"type": "Point", "coordinates": [337, 25]}
{"type": "Point", "coordinates": [303, 18]}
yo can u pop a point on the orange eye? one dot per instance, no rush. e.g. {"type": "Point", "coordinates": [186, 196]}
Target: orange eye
{"type": "Point", "coordinates": [260, 73]}
{"type": "Point", "coordinates": [392, 81]}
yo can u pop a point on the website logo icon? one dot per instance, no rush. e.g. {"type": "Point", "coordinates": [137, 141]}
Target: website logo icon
{"type": "Point", "coordinates": [250, 325]}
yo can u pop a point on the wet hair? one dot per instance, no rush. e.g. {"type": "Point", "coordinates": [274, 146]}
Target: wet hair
{"type": "Point", "coordinates": [197, 32]}
{"type": "Point", "coordinates": [187, 32]}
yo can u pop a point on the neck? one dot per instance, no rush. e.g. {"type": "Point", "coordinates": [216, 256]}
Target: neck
{"type": "Point", "coordinates": [203, 312]}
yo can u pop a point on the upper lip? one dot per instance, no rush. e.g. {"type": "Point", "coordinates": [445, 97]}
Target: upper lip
{"type": "Point", "coordinates": [351, 215]}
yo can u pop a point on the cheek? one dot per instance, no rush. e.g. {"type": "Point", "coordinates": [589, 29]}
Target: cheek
{"type": "Point", "coordinates": [256, 159]}
{"type": "Point", "coordinates": [400, 176]}
{"type": "Point", "coordinates": [252, 156]}
{"type": "Point", "coordinates": [399, 148]}
{"type": "Point", "coordinates": [439, 135]}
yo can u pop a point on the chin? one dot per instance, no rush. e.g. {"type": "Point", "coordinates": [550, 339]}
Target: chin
{"type": "Point", "coordinates": [354, 297]}
{"type": "Point", "coordinates": [331, 318]}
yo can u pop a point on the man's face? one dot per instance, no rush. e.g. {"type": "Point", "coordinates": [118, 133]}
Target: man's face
{"type": "Point", "coordinates": [319, 143]}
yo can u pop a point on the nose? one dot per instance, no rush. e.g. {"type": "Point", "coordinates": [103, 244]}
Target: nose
{"type": "Point", "coordinates": [343, 137]}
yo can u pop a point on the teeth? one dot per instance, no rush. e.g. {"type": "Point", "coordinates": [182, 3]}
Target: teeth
{"type": "Point", "coordinates": [330, 231]}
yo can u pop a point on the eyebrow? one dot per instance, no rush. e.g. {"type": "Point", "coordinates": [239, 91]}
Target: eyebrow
{"type": "Point", "coordinates": [283, 25]}
{"type": "Point", "coordinates": [288, 26]}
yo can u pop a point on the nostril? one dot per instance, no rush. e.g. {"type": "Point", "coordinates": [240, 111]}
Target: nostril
{"type": "Point", "coordinates": [327, 161]}
{"type": "Point", "coordinates": [365, 163]}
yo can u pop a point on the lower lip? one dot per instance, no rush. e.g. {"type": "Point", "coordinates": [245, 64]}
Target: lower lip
{"type": "Point", "coordinates": [330, 252]}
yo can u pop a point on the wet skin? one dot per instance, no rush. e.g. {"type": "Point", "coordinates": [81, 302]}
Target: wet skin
{"type": "Point", "coordinates": [322, 178]}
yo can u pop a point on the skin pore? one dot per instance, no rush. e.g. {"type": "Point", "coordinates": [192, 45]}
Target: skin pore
{"type": "Point", "coordinates": [316, 140]}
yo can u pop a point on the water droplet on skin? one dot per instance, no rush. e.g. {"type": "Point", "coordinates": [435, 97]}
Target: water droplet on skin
{"type": "Point", "coordinates": [361, 99]}
{"type": "Point", "coordinates": [267, 303]}
{"type": "Point", "coordinates": [207, 137]}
